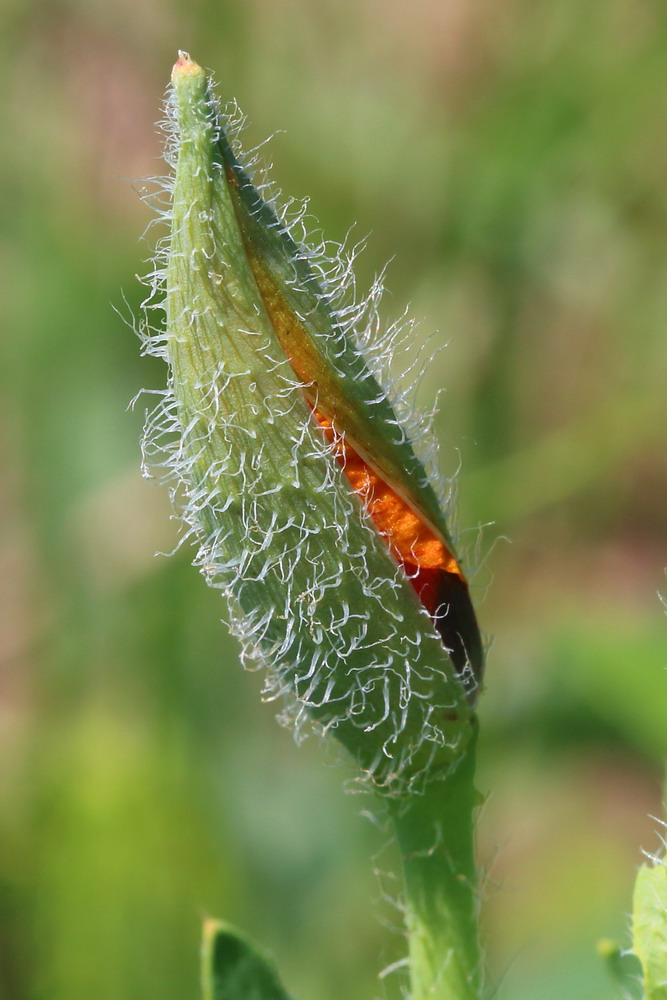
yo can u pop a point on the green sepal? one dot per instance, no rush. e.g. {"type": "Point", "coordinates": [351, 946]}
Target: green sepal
{"type": "Point", "coordinates": [340, 381]}
{"type": "Point", "coordinates": [336, 375]}
{"type": "Point", "coordinates": [232, 968]}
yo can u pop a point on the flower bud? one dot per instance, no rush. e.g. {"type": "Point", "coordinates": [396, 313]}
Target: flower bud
{"type": "Point", "coordinates": [311, 509]}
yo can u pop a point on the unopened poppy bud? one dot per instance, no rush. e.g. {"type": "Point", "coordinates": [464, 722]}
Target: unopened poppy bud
{"type": "Point", "coordinates": [311, 509]}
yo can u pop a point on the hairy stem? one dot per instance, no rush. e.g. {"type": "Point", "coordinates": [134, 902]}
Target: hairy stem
{"type": "Point", "coordinates": [435, 836]}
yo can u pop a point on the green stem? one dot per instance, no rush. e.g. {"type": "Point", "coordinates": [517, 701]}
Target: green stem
{"type": "Point", "coordinates": [435, 836]}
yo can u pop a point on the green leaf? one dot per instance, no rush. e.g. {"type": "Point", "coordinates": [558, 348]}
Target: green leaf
{"type": "Point", "coordinates": [650, 928]}
{"type": "Point", "coordinates": [233, 969]}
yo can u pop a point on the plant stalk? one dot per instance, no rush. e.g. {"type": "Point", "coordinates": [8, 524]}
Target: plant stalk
{"type": "Point", "coordinates": [435, 833]}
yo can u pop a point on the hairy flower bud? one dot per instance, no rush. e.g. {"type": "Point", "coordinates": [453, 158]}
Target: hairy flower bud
{"type": "Point", "coordinates": [310, 506]}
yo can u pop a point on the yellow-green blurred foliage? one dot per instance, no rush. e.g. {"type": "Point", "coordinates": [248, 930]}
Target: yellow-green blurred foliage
{"type": "Point", "coordinates": [511, 156]}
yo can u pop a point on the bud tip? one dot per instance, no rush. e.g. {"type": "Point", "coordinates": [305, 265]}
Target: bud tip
{"type": "Point", "coordinates": [184, 65]}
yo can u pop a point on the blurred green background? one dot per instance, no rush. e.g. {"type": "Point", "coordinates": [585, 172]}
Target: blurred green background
{"type": "Point", "coordinates": [511, 157]}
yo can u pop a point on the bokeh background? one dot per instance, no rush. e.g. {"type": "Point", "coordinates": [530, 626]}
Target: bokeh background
{"type": "Point", "coordinates": [511, 158]}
